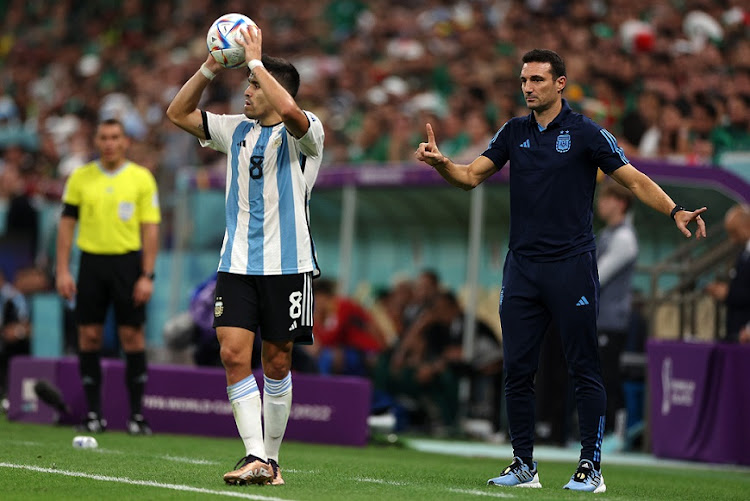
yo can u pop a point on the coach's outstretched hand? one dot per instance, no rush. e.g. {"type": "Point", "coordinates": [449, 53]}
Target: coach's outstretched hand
{"type": "Point", "coordinates": [683, 217]}
{"type": "Point", "coordinates": [428, 152]}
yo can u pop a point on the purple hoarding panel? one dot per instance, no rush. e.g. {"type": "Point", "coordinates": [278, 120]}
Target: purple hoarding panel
{"type": "Point", "coordinates": [700, 401]}
{"type": "Point", "coordinates": [733, 395]}
{"type": "Point", "coordinates": [189, 400]}
{"type": "Point", "coordinates": [24, 405]}
{"type": "Point", "coordinates": [678, 374]}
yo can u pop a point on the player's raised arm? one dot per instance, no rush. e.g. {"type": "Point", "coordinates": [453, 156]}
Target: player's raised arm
{"type": "Point", "coordinates": [183, 110]}
{"type": "Point", "coordinates": [652, 195]}
{"type": "Point", "coordinates": [465, 177]}
{"type": "Point", "coordinates": [280, 99]}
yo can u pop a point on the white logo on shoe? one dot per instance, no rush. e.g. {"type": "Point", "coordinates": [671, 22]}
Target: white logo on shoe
{"type": "Point", "coordinates": [256, 473]}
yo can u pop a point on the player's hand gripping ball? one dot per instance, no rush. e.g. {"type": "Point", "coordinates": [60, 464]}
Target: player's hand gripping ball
{"type": "Point", "coordinates": [221, 39]}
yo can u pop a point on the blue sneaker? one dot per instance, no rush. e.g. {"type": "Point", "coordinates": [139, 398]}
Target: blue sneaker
{"type": "Point", "coordinates": [517, 474]}
{"type": "Point", "coordinates": [586, 479]}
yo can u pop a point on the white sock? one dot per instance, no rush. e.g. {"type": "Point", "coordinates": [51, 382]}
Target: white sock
{"type": "Point", "coordinates": [277, 404]}
{"type": "Point", "coordinates": [245, 399]}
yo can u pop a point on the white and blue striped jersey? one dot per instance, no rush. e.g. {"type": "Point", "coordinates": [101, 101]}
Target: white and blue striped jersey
{"type": "Point", "coordinates": [270, 175]}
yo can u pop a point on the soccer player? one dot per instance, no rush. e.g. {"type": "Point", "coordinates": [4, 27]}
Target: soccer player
{"type": "Point", "coordinates": [267, 262]}
{"type": "Point", "coordinates": [550, 272]}
{"type": "Point", "coordinates": [115, 203]}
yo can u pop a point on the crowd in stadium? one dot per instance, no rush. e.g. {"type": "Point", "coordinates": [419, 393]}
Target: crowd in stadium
{"type": "Point", "coordinates": [670, 79]}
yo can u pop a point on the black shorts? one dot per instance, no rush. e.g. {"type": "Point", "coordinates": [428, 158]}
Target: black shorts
{"type": "Point", "coordinates": [278, 307]}
{"type": "Point", "coordinates": [105, 280]}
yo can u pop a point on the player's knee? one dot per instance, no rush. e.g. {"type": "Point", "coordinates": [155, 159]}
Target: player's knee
{"type": "Point", "coordinates": [132, 339]}
{"type": "Point", "coordinates": [89, 339]}
{"type": "Point", "coordinates": [276, 371]}
{"type": "Point", "coordinates": [278, 365]}
{"type": "Point", "coordinates": [233, 356]}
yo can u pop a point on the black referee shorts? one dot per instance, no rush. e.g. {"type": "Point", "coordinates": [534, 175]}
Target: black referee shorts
{"type": "Point", "coordinates": [105, 280]}
{"type": "Point", "coordinates": [278, 307]}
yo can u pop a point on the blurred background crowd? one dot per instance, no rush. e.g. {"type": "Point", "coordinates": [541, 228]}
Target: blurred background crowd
{"type": "Point", "coordinates": [670, 79]}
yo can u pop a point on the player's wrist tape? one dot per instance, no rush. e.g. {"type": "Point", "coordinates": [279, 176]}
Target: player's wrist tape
{"type": "Point", "coordinates": [677, 208]}
{"type": "Point", "coordinates": [254, 63]}
{"type": "Point", "coordinates": [206, 72]}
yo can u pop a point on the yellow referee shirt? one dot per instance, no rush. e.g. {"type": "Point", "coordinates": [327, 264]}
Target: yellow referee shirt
{"type": "Point", "coordinates": [112, 206]}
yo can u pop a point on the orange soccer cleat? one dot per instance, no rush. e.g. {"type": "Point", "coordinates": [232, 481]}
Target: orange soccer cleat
{"type": "Point", "coordinates": [250, 470]}
{"type": "Point", "coordinates": [277, 480]}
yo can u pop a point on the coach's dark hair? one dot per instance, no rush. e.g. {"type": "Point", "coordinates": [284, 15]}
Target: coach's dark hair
{"type": "Point", "coordinates": [547, 56]}
{"type": "Point", "coordinates": [284, 72]}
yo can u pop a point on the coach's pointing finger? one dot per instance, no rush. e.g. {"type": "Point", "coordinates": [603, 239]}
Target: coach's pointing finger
{"type": "Point", "coordinates": [431, 136]}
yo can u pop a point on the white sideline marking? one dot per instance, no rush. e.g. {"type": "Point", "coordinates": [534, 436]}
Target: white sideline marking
{"type": "Point", "coordinates": [188, 460]}
{"type": "Point", "coordinates": [23, 442]}
{"type": "Point", "coordinates": [146, 483]}
{"type": "Point", "coordinates": [378, 481]}
{"type": "Point", "coordinates": [477, 492]}
{"type": "Point", "coordinates": [472, 492]}
{"type": "Point", "coordinates": [549, 453]}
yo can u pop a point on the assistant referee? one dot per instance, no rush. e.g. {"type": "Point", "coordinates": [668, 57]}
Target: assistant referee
{"type": "Point", "coordinates": [116, 205]}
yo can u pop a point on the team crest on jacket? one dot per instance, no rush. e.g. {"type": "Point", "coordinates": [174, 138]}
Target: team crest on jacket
{"type": "Point", "coordinates": [218, 307]}
{"type": "Point", "coordinates": [563, 142]}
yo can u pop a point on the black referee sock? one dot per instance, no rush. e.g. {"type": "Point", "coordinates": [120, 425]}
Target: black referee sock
{"type": "Point", "coordinates": [135, 379]}
{"type": "Point", "coordinates": [528, 462]}
{"type": "Point", "coordinates": [91, 376]}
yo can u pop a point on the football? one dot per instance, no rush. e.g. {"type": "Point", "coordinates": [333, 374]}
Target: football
{"type": "Point", "coordinates": [85, 442]}
{"type": "Point", "coordinates": [221, 39]}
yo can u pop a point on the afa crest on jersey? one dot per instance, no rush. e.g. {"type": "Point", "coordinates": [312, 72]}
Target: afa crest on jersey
{"type": "Point", "coordinates": [563, 142]}
{"type": "Point", "coordinates": [218, 307]}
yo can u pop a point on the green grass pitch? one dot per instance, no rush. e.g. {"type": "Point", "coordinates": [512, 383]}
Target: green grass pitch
{"type": "Point", "coordinates": [40, 463]}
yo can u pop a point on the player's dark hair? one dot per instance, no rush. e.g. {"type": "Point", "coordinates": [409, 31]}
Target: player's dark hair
{"type": "Point", "coordinates": [283, 71]}
{"type": "Point", "coordinates": [547, 56]}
